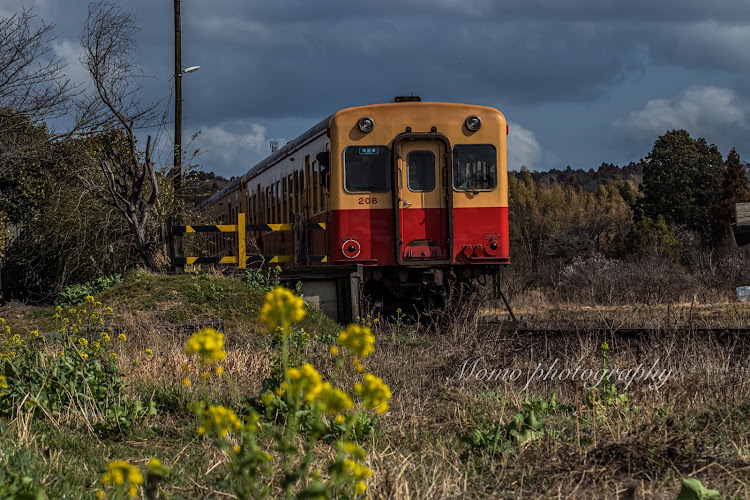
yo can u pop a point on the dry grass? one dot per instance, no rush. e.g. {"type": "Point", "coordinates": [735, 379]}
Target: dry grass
{"type": "Point", "coordinates": [695, 425]}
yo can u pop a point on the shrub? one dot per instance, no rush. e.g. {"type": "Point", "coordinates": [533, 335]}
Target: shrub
{"type": "Point", "coordinates": [75, 294]}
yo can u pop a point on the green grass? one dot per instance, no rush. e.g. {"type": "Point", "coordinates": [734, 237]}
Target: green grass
{"type": "Point", "coordinates": [695, 426]}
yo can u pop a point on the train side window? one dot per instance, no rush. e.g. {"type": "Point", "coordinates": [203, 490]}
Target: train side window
{"type": "Point", "coordinates": [474, 167]}
{"type": "Point", "coordinates": [269, 204]}
{"type": "Point", "coordinates": [296, 192]}
{"type": "Point", "coordinates": [315, 187]}
{"type": "Point", "coordinates": [290, 197]}
{"type": "Point", "coordinates": [301, 191]}
{"type": "Point", "coordinates": [367, 169]}
{"type": "Point", "coordinates": [284, 199]}
{"type": "Point", "coordinates": [277, 203]}
{"type": "Point", "coordinates": [420, 171]}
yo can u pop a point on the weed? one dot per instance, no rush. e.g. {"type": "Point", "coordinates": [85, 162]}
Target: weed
{"type": "Point", "coordinates": [526, 426]}
{"type": "Point", "coordinates": [606, 394]}
{"type": "Point", "coordinates": [75, 294]}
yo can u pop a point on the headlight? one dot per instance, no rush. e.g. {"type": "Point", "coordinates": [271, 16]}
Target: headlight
{"type": "Point", "coordinates": [473, 123]}
{"type": "Point", "coordinates": [366, 124]}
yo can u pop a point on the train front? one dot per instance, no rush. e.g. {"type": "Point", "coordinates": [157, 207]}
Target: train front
{"type": "Point", "coordinates": [419, 193]}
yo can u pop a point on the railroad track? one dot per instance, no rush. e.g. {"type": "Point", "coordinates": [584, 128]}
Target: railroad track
{"type": "Point", "coordinates": [628, 332]}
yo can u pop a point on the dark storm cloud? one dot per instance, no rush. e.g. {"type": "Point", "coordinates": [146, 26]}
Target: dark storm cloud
{"type": "Point", "coordinates": [574, 76]}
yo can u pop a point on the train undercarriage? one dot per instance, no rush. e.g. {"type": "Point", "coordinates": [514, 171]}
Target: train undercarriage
{"type": "Point", "coordinates": [418, 289]}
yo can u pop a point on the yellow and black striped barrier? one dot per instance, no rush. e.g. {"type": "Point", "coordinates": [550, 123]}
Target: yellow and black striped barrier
{"type": "Point", "coordinates": [242, 259]}
{"type": "Point", "coordinates": [232, 228]}
{"type": "Point", "coordinates": [250, 259]}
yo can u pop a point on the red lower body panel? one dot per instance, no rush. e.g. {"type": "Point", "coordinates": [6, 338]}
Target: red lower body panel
{"type": "Point", "coordinates": [475, 232]}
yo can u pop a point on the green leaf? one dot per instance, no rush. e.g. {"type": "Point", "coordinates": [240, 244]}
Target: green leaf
{"type": "Point", "coordinates": [693, 489]}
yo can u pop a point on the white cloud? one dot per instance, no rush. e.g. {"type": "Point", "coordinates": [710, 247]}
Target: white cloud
{"type": "Point", "coordinates": [228, 145]}
{"type": "Point", "coordinates": [699, 110]}
{"type": "Point", "coordinates": [231, 148]}
{"type": "Point", "coordinates": [70, 54]}
{"type": "Point", "coordinates": [523, 148]}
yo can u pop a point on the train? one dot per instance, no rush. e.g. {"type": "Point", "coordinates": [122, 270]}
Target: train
{"type": "Point", "coordinates": [415, 192]}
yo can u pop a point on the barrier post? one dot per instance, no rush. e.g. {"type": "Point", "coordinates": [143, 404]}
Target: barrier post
{"type": "Point", "coordinates": [242, 254]}
{"type": "Point", "coordinates": [178, 250]}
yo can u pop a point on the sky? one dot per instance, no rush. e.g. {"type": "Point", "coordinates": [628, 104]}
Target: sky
{"type": "Point", "coordinates": [581, 82]}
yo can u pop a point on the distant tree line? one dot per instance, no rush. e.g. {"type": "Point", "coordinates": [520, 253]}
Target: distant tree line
{"type": "Point", "coordinates": [673, 210]}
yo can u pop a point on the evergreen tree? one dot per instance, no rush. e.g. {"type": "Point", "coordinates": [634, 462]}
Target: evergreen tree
{"type": "Point", "coordinates": [734, 187]}
{"type": "Point", "coordinates": [682, 181]}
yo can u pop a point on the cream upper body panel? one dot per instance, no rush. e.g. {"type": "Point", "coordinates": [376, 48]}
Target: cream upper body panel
{"type": "Point", "coordinates": [392, 119]}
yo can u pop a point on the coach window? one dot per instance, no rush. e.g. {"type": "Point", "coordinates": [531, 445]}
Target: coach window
{"type": "Point", "coordinates": [284, 199]}
{"type": "Point", "coordinates": [290, 197]}
{"type": "Point", "coordinates": [367, 169]}
{"type": "Point", "coordinates": [315, 187]}
{"type": "Point", "coordinates": [277, 215]}
{"type": "Point", "coordinates": [474, 167]}
{"type": "Point", "coordinates": [420, 171]}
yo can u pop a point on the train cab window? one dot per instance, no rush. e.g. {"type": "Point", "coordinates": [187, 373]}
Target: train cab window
{"type": "Point", "coordinates": [367, 169]}
{"type": "Point", "coordinates": [420, 171]}
{"type": "Point", "coordinates": [474, 167]}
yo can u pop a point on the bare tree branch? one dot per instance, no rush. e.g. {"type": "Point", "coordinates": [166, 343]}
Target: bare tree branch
{"type": "Point", "coordinates": [31, 76]}
{"type": "Point", "coordinates": [131, 183]}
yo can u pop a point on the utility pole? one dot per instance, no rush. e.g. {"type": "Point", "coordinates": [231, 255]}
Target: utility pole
{"type": "Point", "coordinates": [175, 247]}
{"type": "Point", "coordinates": [177, 168]}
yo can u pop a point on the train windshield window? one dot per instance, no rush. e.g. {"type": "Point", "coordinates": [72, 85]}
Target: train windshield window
{"type": "Point", "coordinates": [474, 167]}
{"type": "Point", "coordinates": [420, 171]}
{"type": "Point", "coordinates": [367, 169]}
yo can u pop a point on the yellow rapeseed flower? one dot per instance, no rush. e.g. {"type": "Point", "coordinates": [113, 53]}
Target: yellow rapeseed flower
{"type": "Point", "coordinates": [304, 381]}
{"type": "Point", "coordinates": [282, 308]}
{"type": "Point", "coordinates": [374, 392]}
{"type": "Point", "coordinates": [105, 337]}
{"type": "Point", "coordinates": [358, 339]}
{"type": "Point", "coordinates": [357, 470]}
{"type": "Point", "coordinates": [113, 355]}
{"type": "Point", "coordinates": [360, 488]}
{"type": "Point", "coordinates": [148, 352]}
{"type": "Point", "coordinates": [156, 468]}
{"type": "Point", "coordinates": [3, 382]}
{"type": "Point", "coordinates": [267, 398]}
{"type": "Point", "coordinates": [219, 420]}
{"type": "Point", "coordinates": [354, 450]}
{"type": "Point", "coordinates": [122, 337]}
{"type": "Point", "coordinates": [186, 382]}
{"type": "Point", "coordinates": [208, 344]}
{"type": "Point", "coordinates": [334, 350]}
{"type": "Point", "coordinates": [100, 494]}
{"type": "Point", "coordinates": [340, 419]}
{"type": "Point", "coordinates": [334, 400]}
{"type": "Point", "coordinates": [120, 472]}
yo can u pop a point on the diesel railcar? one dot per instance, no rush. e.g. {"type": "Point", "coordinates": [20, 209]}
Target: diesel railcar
{"type": "Point", "coordinates": [414, 191]}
